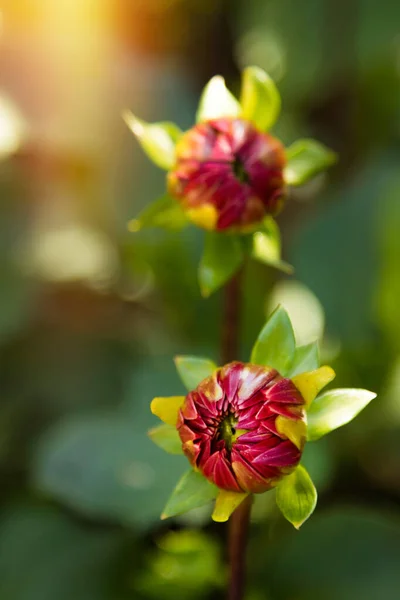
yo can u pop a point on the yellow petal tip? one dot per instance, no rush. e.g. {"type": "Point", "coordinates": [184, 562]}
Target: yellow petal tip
{"type": "Point", "coordinates": [311, 383]}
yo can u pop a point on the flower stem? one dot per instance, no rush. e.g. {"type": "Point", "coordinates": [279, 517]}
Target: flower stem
{"type": "Point", "coordinates": [238, 529]}
{"type": "Point", "coordinates": [239, 521]}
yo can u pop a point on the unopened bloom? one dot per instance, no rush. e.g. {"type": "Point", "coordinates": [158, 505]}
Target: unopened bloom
{"type": "Point", "coordinates": [228, 174]}
{"type": "Point", "coordinates": [243, 427]}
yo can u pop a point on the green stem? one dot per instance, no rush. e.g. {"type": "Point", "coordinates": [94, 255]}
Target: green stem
{"type": "Point", "coordinates": [239, 521]}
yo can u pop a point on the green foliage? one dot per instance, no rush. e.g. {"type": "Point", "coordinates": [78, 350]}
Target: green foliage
{"type": "Point", "coordinates": [266, 246]}
{"type": "Point", "coordinates": [305, 159]}
{"type": "Point", "coordinates": [222, 257]}
{"type": "Point", "coordinates": [334, 409]}
{"type": "Point", "coordinates": [165, 212]}
{"type": "Point", "coordinates": [217, 101]}
{"type": "Point", "coordinates": [260, 99]}
{"type": "Point", "coordinates": [276, 345]}
{"type": "Point", "coordinates": [306, 358]}
{"type": "Point", "coordinates": [296, 497]}
{"type": "Point", "coordinates": [193, 369]}
{"type": "Point", "coordinates": [166, 437]}
{"type": "Point", "coordinates": [158, 140]}
{"type": "Point", "coordinates": [192, 490]}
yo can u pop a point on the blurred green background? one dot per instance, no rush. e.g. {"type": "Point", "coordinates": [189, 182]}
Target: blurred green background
{"type": "Point", "coordinates": [91, 315]}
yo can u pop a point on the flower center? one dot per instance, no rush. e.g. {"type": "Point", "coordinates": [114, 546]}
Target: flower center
{"type": "Point", "coordinates": [239, 171]}
{"type": "Point", "coordinates": [227, 430]}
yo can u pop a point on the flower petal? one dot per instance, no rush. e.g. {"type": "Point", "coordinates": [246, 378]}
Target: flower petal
{"type": "Point", "coordinates": [217, 101]}
{"type": "Point", "coordinates": [225, 504]}
{"type": "Point", "coordinates": [260, 98]}
{"type": "Point", "coordinates": [157, 139]}
{"type": "Point", "coordinates": [166, 409]}
{"type": "Point", "coordinates": [294, 430]}
{"type": "Point", "coordinates": [311, 383]}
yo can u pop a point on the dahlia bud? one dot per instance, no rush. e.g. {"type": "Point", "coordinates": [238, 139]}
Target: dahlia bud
{"type": "Point", "coordinates": [228, 174]}
{"type": "Point", "coordinates": [243, 427]}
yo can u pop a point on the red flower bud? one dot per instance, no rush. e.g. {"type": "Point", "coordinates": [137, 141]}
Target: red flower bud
{"type": "Point", "coordinates": [243, 427]}
{"type": "Point", "coordinates": [228, 174]}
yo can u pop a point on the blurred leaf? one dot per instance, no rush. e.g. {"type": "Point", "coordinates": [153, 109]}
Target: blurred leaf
{"type": "Point", "coordinates": [296, 496]}
{"type": "Point", "coordinates": [45, 554]}
{"type": "Point", "coordinates": [260, 99]}
{"type": "Point", "coordinates": [193, 490]}
{"type": "Point", "coordinates": [158, 140]}
{"type": "Point", "coordinates": [165, 212]}
{"type": "Point", "coordinates": [222, 257]}
{"type": "Point", "coordinates": [341, 555]}
{"type": "Point", "coordinates": [275, 346]}
{"type": "Point", "coordinates": [186, 561]}
{"type": "Point", "coordinates": [193, 369]}
{"type": "Point", "coordinates": [334, 409]}
{"type": "Point", "coordinates": [167, 438]}
{"type": "Point", "coordinates": [102, 466]}
{"type": "Point", "coordinates": [266, 246]}
{"type": "Point", "coordinates": [217, 101]}
{"type": "Point", "coordinates": [306, 358]}
{"type": "Point", "coordinates": [306, 158]}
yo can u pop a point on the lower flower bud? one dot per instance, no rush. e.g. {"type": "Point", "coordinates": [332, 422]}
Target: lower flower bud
{"type": "Point", "coordinates": [244, 427]}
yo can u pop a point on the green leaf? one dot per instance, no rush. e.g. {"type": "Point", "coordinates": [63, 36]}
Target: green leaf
{"type": "Point", "coordinates": [305, 159]}
{"type": "Point", "coordinates": [260, 99]}
{"type": "Point", "coordinates": [193, 369]}
{"type": "Point", "coordinates": [166, 437]}
{"type": "Point", "coordinates": [275, 346]}
{"type": "Point", "coordinates": [296, 496]}
{"type": "Point", "coordinates": [158, 140]}
{"type": "Point", "coordinates": [217, 101]}
{"type": "Point", "coordinates": [306, 358]}
{"type": "Point", "coordinates": [334, 409]}
{"type": "Point", "coordinates": [266, 246]}
{"type": "Point", "coordinates": [165, 212]}
{"type": "Point", "coordinates": [222, 257]}
{"type": "Point", "coordinates": [193, 490]}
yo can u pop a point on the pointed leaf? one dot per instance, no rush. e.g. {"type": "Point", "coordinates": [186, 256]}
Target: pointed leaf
{"type": "Point", "coordinates": [222, 257]}
{"type": "Point", "coordinates": [217, 101]}
{"type": "Point", "coordinates": [305, 159]}
{"type": "Point", "coordinates": [225, 504]}
{"type": "Point", "coordinates": [275, 346]}
{"type": "Point", "coordinates": [193, 369]}
{"type": "Point", "coordinates": [266, 246]}
{"type": "Point", "coordinates": [167, 438]}
{"type": "Point", "coordinates": [167, 408]}
{"type": "Point", "coordinates": [193, 490]}
{"type": "Point", "coordinates": [260, 99]}
{"type": "Point", "coordinates": [311, 383]}
{"type": "Point", "coordinates": [334, 409]}
{"type": "Point", "coordinates": [165, 212]}
{"type": "Point", "coordinates": [158, 140]}
{"type": "Point", "coordinates": [296, 496]}
{"type": "Point", "coordinates": [306, 358]}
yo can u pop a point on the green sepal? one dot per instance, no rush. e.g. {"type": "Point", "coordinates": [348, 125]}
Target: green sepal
{"type": "Point", "coordinates": [216, 101]}
{"type": "Point", "coordinates": [275, 346]}
{"type": "Point", "coordinates": [305, 159]}
{"type": "Point", "coordinates": [193, 369]}
{"type": "Point", "coordinates": [306, 358]}
{"type": "Point", "coordinates": [192, 491]}
{"type": "Point", "coordinates": [165, 212]}
{"type": "Point", "coordinates": [166, 437]}
{"type": "Point", "coordinates": [266, 246]}
{"type": "Point", "coordinates": [260, 99]}
{"type": "Point", "coordinates": [158, 140]}
{"type": "Point", "coordinates": [334, 409]}
{"type": "Point", "coordinates": [222, 257]}
{"type": "Point", "coordinates": [296, 496]}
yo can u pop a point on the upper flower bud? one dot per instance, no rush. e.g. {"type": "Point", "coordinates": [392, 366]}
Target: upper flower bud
{"type": "Point", "coordinates": [243, 427]}
{"type": "Point", "coordinates": [228, 174]}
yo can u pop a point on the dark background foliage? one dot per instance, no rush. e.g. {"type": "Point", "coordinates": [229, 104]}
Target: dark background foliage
{"type": "Point", "coordinates": [91, 315]}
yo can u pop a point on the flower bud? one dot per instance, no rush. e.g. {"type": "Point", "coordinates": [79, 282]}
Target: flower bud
{"type": "Point", "coordinates": [243, 427]}
{"type": "Point", "coordinates": [228, 175]}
